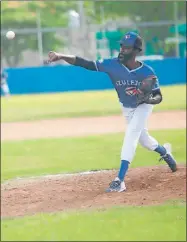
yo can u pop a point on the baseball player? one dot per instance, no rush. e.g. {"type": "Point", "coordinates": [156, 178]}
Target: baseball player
{"type": "Point", "coordinates": [138, 91]}
{"type": "Point", "coordinates": [4, 85]}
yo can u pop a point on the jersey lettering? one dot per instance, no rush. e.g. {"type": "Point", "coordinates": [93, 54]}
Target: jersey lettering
{"type": "Point", "coordinates": [126, 81]}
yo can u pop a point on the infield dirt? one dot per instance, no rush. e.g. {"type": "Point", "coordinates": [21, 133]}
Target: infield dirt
{"type": "Point", "coordinates": [145, 186]}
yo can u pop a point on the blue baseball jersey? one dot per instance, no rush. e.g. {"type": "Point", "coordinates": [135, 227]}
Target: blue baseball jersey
{"type": "Point", "coordinates": [126, 81]}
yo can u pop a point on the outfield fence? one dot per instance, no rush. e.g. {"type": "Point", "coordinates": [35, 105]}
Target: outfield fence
{"type": "Point", "coordinates": [60, 78]}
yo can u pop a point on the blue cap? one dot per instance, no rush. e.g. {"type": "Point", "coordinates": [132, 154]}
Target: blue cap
{"type": "Point", "coordinates": [132, 39]}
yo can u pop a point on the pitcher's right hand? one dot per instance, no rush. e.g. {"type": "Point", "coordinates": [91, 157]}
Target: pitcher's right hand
{"type": "Point", "coordinates": [53, 56]}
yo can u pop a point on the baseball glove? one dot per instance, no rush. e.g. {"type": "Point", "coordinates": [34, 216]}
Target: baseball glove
{"type": "Point", "coordinates": [145, 89]}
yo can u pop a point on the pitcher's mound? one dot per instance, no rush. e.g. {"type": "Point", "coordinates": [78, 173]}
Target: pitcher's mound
{"type": "Point", "coordinates": [145, 186]}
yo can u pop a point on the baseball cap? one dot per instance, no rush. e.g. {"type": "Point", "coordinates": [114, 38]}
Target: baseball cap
{"type": "Point", "coordinates": [132, 39]}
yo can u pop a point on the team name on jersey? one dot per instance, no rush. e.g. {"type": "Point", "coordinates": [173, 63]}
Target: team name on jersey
{"type": "Point", "coordinates": [127, 82]}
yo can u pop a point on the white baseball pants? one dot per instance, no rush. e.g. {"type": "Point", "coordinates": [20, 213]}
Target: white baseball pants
{"type": "Point", "coordinates": [137, 131]}
{"type": "Point", "coordinates": [5, 88]}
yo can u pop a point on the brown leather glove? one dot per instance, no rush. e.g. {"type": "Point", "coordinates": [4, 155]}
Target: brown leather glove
{"type": "Point", "coordinates": [145, 89]}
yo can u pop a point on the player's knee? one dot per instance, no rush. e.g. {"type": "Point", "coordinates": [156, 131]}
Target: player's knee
{"type": "Point", "coordinates": [144, 144]}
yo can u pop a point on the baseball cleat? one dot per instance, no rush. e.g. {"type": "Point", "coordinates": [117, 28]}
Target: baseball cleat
{"type": "Point", "coordinates": [168, 158]}
{"type": "Point", "coordinates": [116, 186]}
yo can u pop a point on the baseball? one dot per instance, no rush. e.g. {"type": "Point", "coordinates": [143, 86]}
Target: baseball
{"type": "Point", "coordinates": [10, 34]}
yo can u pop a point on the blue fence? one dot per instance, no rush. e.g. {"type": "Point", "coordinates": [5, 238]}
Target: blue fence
{"type": "Point", "coordinates": [71, 78]}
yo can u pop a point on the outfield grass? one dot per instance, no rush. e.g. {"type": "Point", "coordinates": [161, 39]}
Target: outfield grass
{"type": "Point", "coordinates": [154, 223]}
{"type": "Point", "coordinates": [101, 103]}
{"type": "Point", "coordinates": [53, 156]}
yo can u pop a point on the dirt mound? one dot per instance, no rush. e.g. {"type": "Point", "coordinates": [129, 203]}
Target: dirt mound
{"type": "Point", "coordinates": [145, 186]}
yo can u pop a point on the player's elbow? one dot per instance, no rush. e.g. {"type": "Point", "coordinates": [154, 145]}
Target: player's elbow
{"type": "Point", "coordinates": [158, 99]}
{"type": "Point", "coordinates": [157, 96]}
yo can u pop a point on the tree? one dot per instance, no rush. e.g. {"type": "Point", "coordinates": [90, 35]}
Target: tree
{"type": "Point", "coordinates": [20, 15]}
{"type": "Point", "coordinates": [147, 10]}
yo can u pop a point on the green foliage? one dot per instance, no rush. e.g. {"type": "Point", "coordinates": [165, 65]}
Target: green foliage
{"type": "Point", "coordinates": [20, 15]}
{"type": "Point", "coordinates": [143, 11]}
{"type": "Point", "coordinates": [17, 14]}
{"type": "Point", "coordinates": [146, 10]}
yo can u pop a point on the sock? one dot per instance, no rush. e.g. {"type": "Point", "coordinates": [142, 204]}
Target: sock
{"type": "Point", "coordinates": [123, 169]}
{"type": "Point", "coordinates": [161, 150]}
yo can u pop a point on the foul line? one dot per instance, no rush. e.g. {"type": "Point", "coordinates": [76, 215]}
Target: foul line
{"type": "Point", "coordinates": [55, 176]}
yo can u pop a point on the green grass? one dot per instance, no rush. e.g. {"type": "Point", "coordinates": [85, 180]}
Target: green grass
{"type": "Point", "coordinates": [53, 156]}
{"type": "Point", "coordinates": [155, 223]}
{"type": "Point", "coordinates": [101, 103]}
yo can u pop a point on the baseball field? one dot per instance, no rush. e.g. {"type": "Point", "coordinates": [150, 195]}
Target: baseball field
{"type": "Point", "coordinates": [60, 152]}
